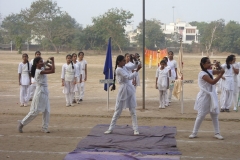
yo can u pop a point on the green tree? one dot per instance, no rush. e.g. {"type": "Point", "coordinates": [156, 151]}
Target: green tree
{"type": "Point", "coordinates": [111, 24]}
{"type": "Point", "coordinates": [47, 21]}
{"type": "Point", "coordinates": [15, 28]}
{"type": "Point", "coordinates": [154, 36]}
{"type": "Point", "coordinates": [212, 34]}
{"type": "Point", "coordinates": [231, 39]}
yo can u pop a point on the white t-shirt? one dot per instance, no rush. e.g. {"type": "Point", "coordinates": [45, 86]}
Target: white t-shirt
{"type": "Point", "coordinates": [24, 70]}
{"type": "Point", "coordinates": [173, 65]}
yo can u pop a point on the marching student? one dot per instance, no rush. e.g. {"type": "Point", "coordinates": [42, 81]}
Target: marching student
{"type": "Point", "coordinates": [162, 82]}
{"type": "Point", "coordinates": [77, 87]}
{"type": "Point", "coordinates": [227, 85]}
{"type": "Point", "coordinates": [169, 75]}
{"type": "Point", "coordinates": [137, 79]}
{"type": "Point", "coordinates": [129, 65]}
{"type": "Point", "coordinates": [173, 65]}
{"type": "Point", "coordinates": [40, 101]}
{"type": "Point", "coordinates": [32, 87]}
{"type": "Point", "coordinates": [235, 78]}
{"type": "Point", "coordinates": [126, 94]}
{"type": "Point", "coordinates": [207, 100]}
{"type": "Point", "coordinates": [69, 78]}
{"type": "Point", "coordinates": [83, 79]}
{"type": "Point", "coordinates": [24, 79]}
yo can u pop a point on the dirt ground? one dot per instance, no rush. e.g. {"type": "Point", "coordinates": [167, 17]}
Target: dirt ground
{"type": "Point", "coordinates": [68, 125]}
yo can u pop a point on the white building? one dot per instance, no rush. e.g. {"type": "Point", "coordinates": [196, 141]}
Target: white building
{"type": "Point", "coordinates": [132, 33]}
{"type": "Point", "coordinates": [188, 33]}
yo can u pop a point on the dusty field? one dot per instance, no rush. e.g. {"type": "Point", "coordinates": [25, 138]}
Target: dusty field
{"type": "Point", "coordinates": [69, 125]}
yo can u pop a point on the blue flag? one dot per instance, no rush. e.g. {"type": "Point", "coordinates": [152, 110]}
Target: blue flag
{"type": "Point", "coordinates": [107, 71]}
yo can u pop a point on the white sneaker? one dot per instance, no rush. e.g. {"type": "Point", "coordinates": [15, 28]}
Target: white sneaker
{"type": "Point", "coordinates": [108, 132]}
{"type": "Point", "coordinates": [218, 136]}
{"type": "Point", "coordinates": [21, 105]}
{"type": "Point", "coordinates": [136, 133]}
{"type": "Point", "coordinates": [45, 130]}
{"type": "Point", "coordinates": [234, 108]}
{"type": "Point", "coordinates": [71, 105]}
{"type": "Point", "coordinates": [67, 105]}
{"type": "Point", "coordinates": [25, 105]}
{"type": "Point", "coordinates": [193, 135]}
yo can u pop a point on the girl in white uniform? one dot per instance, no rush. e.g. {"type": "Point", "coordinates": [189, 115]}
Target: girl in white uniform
{"type": "Point", "coordinates": [227, 85]}
{"type": "Point", "coordinates": [137, 79]}
{"type": "Point", "coordinates": [169, 75]}
{"type": "Point", "coordinates": [40, 102]}
{"type": "Point", "coordinates": [77, 87]}
{"type": "Point", "coordinates": [129, 64]}
{"type": "Point", "coordinates": [69, 78]}
{"type": "Point", "coordinates": [126, 95]}
{"type": "Point", "coordinates": [236, 89]}
{"type": "Point", "coordinates": [83, 78]}
{"type": "Point", "coordinates": [24, 78]}
{"type": "Point", "coordinates": [162, 82]}
{"type": "Point", "coordinates": [173, 65]}
{"type": "Point", "coordinates": [32, 87]}
{"type": "Point", "coordinates": [207, 101]}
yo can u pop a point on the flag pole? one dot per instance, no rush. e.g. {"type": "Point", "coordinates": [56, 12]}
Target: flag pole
{"type": "Point", "coordinates": [108, 89]}
{"type": "Point", "coordinates": [181, 78]}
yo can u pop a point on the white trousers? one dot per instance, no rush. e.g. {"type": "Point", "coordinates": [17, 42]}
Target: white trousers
{"type": "Point", "coordinates": [69, 92]}
{"type": "Point", "coordinates": [33, 114]}
{"type": "Point", "coordinates": [226, 99]}
{"type": "Point", "coordinates": [162, 98]}
{"type": "Point", "coordinates": [235, 97]}
{"type": "Point", "coordinates": [82, 89]}
{"type": "Point", "coordinates": [77, 91]}
{"type": "Point", "coordinates": [118, 112]}
{"type": "Point", "coordinates": [170, 90]}
{"type": "Point", "coordinates": [24, 94]}
{"type": "Point", "coordinates": [200, 118]}
{"type": "Point", "coordinates": [32, 89]}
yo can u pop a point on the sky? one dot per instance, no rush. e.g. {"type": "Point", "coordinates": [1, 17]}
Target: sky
{"type": "Point", "coordinates": [164, 10]}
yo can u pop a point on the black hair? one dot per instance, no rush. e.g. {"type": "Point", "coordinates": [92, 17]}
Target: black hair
{"type": "Point", "coordinates": [228, 60]}
{"type": "Point", "coordinates": [34, 66]}
{"type": "Point", "coordinates": [163, 61]}
{"type": "Point", "coordinates": [71, 60]}
{"type": "Point", "coordinates": [131, 58]}
{"type": "Point", "coordinates": [27, 60]}
{"type": "Point", "coordinates": [203, 61]}
{"type": "Point", "coordinates": [37, 52]}
{"type": "Point", "coordinates": [171, 52]}
{"type": "Point", "coordinates": [118, 59]}
{"type": "Point", "coordinates": [80, 53]}
{"type": "Point", "coordinates": [74, 54]}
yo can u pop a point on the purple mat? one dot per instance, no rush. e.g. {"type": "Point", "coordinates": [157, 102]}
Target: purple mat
{"type": "Point", "coordinates": [156, 140]}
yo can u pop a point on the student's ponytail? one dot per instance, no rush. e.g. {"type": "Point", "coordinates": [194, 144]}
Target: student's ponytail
{"type": "Point", "coordinates": [72, 65]}
{"type": "Point", "coordinates": [228, 60]}
{"type": "Point", "coordinates": [203, 61]}
{"type": "Point", "coordinates": [34, 66]}
{"type": "Point", "coordinates": [119, 59]}
{"type": "Point", "coordinates": [28, 65]}
{"type": "Point", "coordinates": [114, 79]}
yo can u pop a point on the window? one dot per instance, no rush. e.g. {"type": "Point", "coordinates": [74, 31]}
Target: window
{"type": "Point", "coordinates": [190, 30]}
{"type": "Point", "coordinates": [190, 37]}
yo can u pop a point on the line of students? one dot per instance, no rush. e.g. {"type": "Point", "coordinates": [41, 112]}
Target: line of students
{"type": "Point", "coordinates": [74, 74]}
{"type": "Point", "coordinates": [166, 74]}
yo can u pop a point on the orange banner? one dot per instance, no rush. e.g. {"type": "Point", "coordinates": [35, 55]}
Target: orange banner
{"type": "Point", "coordinates": [154, 57]}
